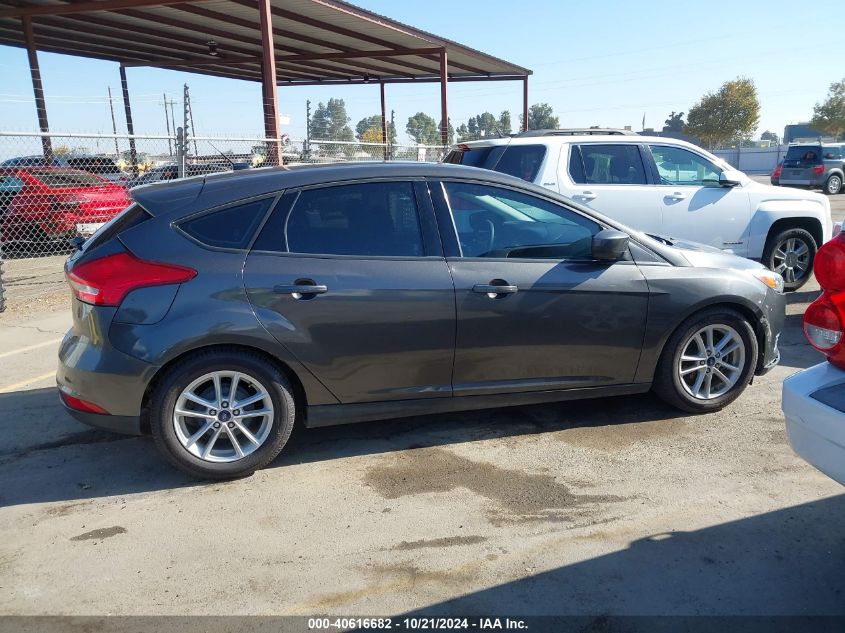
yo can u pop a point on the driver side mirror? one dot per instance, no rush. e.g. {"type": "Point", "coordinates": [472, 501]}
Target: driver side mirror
{"type": "Point", "coordinates": [609, 245]}
{"type": "Point", "coordinates": [730, 178]}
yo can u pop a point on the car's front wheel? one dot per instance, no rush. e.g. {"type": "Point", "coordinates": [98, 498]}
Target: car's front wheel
{"type": "Point", "coordinates": [833, 185]}
{"type": "Point", "coordinates": [790, 253]}
{"type": "Point", "coordinates": [222, 414]}
{"type": "Point", "coordinates": [707, 362]}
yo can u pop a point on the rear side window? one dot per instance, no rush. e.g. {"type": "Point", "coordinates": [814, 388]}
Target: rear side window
{"type": "Point", "coordinates": [606, 164]}
{"type": "Point", "coordinates": [232, 227]}
{"type": "Point", "coordinates": [369, 219]}
{"type": "Point", "coordinates": [576, 166]}
{"type": "Point", "coordinates": [522, 161]}
{"type": "Point", "coordinates": [832, 152]}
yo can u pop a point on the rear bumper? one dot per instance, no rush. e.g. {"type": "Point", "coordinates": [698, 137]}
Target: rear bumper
{"type": "Point", "coordinates": [100, 374]}
{"type": "Point", "coordinates": [816, 430]}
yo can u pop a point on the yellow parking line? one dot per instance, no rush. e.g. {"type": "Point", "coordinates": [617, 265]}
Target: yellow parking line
{"type": "Point", "coordinates": [29, 347]}
{"type": "Point", "coordinates": [28, 381]}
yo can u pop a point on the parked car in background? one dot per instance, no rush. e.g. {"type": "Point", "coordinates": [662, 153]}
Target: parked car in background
{"type": "Point", "coordinates": [666, 187]}
{"type": "Point", "coordinates": [814, 165]}
{"type": "Point", "coordinates": [33, 161]}
{"type": "Point", "coordinates": [44, 205]}
{"type": "Point", "coordinates": [340, 293]}
{"type": "Point", "coordinates": [814, 399]}
{"type": "Point", "coordinates": [775, 176]}
{"type": "Point", "coordinates": [171, 172]}
{"type": "Point", "coordinates": [103, 166]}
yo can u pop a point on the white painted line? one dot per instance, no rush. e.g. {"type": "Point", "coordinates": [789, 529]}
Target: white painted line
{"type": "Point", "coordinates": [29, 381]}
{"type": "Point", "coordinates": [31, 347]}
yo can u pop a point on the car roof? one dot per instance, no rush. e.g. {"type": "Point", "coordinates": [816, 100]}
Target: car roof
{"type": "Point", "coordinates": [554, 140]}
{"type": "Point", "coordinates": [215, 189]}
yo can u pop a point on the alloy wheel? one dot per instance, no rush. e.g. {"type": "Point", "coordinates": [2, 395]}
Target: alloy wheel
{"type": "Point", "coordinates": [791, 259]}
{"type": "Point", "coordinates": [711, 362]}
{"type": "Point", "coordinates": [834, 184]}
{"type": "Point", "coordinates": [223, 416]}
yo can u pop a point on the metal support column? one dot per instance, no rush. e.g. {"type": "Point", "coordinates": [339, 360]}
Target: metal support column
{"type": "Point", "coordinates": [268, 84]}
{"type": "Point", "coordinates": [384, 137]}
{"type": "Point", "coordinates": [35, 73]}
{"type": "Point", "coordinates": [444, 102]}
{"type": "Point", "coordinates": [130, 128]}
{"type": "Point", "coordinates": [525, 104]}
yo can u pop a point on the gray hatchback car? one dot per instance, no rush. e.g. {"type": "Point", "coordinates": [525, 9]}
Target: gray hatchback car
{"type": "Point", "coordinates": [217, 312]}
{"type": "Point", "coordinates": [814, 165]}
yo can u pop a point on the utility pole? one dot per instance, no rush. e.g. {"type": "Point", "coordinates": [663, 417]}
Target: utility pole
{"type": "Point", "coordinates": [113, 127]}
{"type": "Point", "coordinates": [187, 131]}
{"type": "Point", "coordinates": [307, 147]}
{"type": "Point", "coordinates": [389, 132]}
{"type": "Point", "coordinates": [167, 123]}
{"type": "Point", "coordinates": [189, 118]}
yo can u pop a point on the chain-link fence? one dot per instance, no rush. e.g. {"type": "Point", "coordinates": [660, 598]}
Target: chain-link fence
{"type": "Point", "coordinates": [57, 187]}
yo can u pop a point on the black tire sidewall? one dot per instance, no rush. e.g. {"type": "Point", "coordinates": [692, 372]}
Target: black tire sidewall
{"type": "Point", "coordinates": [668, 384]}
{"type": "Point", "coordinates": [167, 393]}
{"type": "Point", "coordinates": [797, 233]}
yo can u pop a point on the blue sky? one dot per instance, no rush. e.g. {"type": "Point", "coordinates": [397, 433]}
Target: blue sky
{"type": "Point", "coordinates": [602, 63]}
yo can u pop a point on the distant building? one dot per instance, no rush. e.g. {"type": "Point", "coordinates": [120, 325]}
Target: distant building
{"type": "Point", "coordinates": [800, 131]}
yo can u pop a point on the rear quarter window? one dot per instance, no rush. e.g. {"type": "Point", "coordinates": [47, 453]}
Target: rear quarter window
{"type": "Point", "coordinates": [522, 161]}
{"type": "Point", "coordinates": [232, 227]}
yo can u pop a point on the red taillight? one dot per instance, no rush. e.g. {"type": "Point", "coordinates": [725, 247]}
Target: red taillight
{"type": "Point", "coordinates": [777, 171]}
{"type": "Point", "coordinates": [106, 281]}
{"type": "Point", "coordinates": [818, 169]}
{"type": "Point", "coordinates": [824, 325]}
{"type": "Point", "coordinates": [81, 405]}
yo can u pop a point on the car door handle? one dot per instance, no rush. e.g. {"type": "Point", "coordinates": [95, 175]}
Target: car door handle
{"type": "Point", "coordinates": [678, 195]}
{"type": "Point", "coordinates": [587, 195]}
{"type": "Point", "coordinates": [297, 291]}
{"type": "Point", "coordinates": [494, 289]}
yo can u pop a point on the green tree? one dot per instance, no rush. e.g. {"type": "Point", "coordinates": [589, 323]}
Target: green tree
{"type": "Point", "coordinates": [485, 125]}
{"type": "Point", "coordinates": [541, 117]}
{"type": "Point", "coordinates": [770, 136]}
{"type": "Point", "coordinates": [505, 122]}
{"type": "Point", "coordinates": [369, 123]}
{"type": "Point", "coordinates": [330, 122]}
{"type": "Point", "coordinates": [423, 129]}
{"type": "Point", "coordinates": [675, 122]}
{"type": "Point", "coordinates": [732, 112]}
{"type": "Point", "coordinates": [829, 117]}
{"type": "Point", "coordinates": [450, 134]}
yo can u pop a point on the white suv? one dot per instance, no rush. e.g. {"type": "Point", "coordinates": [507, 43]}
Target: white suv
{"type": "Point", "coordinates": [666, 187]}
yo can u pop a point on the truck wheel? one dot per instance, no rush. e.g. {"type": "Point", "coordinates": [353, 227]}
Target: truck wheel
{"type": "Point", "coordinates": [833, 185]}
{"type": "Point", "coordinates": [790, 253]}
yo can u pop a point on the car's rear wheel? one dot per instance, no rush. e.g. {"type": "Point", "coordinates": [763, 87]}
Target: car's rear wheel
{"type": "Point", "coordinates": [833, 185]}
{"type": "Point", "coordinates": [707, 362]}
{"type": "Point", "coordinates": [222, 414]}
{"type": "Point", "coordinates": [790, 253]}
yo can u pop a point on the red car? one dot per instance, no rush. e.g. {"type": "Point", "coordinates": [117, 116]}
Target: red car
{"type": "Point", "coordinates": [40, 205]}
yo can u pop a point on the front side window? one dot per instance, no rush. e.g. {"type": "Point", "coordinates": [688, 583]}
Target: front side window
{"type": "Point", "coordinates": [606, 164]}
{"type": "Point", "coordinates": [678, 166]}
{"type": "Point", "coordinates": [497, 222]}
{"type": "Point", "coordinates": [376, 219]}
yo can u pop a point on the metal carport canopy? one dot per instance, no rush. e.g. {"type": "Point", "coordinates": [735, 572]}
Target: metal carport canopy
{"type": "Point", "coordinates": [277, 42]}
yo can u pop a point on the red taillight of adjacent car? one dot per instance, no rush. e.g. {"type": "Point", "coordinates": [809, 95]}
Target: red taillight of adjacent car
{"type": "Point", "coordinates": [107, 280]}
{"type": "Point", "coordinates": [818, 169]}
{"type": "Point", "coordinates": [776, 173]}
{"type": "Point", "coordinates": [824, 320]}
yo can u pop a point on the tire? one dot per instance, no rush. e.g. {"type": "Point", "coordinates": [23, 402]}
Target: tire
{"type": "Point", "coordinates": [679, 391]}
{"type": "Point", "coordinates": [795, 271]}
{"type": "Point", "coordinates": [268, 432]}
{"type": "Point", "coordinates": [833, 185]}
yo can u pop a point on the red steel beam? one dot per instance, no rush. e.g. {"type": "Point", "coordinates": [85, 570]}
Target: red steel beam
{"type": "Point", "coordinates": [525, 104]}
{"type": "Point", "coordinates": [444, 99]}
{"type": "Point", "coordinates": [268, 84]}
{"type": "Point", "coordinates": [403, 80]}
{"type": "Point", "coordinates": [35, 74]}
